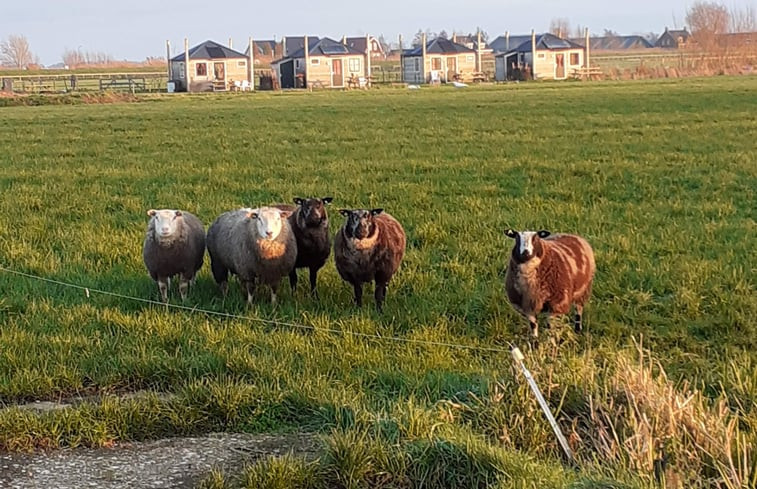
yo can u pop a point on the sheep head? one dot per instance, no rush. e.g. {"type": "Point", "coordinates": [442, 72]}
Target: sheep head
{"type": "Point", "coordinates": [360, 222]}
{"type": "Point", "coordinates": [527, 244]}
{"type": "Point", "coordinates": [313, 210]}
{"type": "Point", "coordinates": [165, 222]}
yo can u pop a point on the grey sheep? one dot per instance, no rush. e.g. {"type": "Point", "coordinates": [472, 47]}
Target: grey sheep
{"type": "Point", "coordinates": [549, 273]}
{"type": "Point", "coordinates": [174, 245]}
{"type": "Point", "coordinates": [310, 223]}
{"type": "Point", "coordinates": [369, 247]}
{"type": "Point", "coordinates": [257, 245]}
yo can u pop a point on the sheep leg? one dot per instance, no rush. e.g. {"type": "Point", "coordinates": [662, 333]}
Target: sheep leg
{"type": "Point", "coordinates": [248, 288]}
{"type": "Point", "coordinates": [380, 295]}
{"type": "Point", "coordinates": [163, 284]}
{"type": "Point", "coordinates": [293, 279]}
{"type": "Point", "coordinates": [184, 286]}
{"type": "Point", "coordinates": [358, 294]}
{"type": "Point", "coordinates": [534, 325]}
{"type": "Point", "coordinates": [313, 277]}
{"type": "Point", "coordinates": [221, 275]}
{"type": "Point", "coordinates": [578, 323]}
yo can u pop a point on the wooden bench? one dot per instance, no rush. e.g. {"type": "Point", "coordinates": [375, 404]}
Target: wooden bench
{"type": "Point", "coordinates": [132, 84]}
{"type": "Point", "coordinates": [591, 73]}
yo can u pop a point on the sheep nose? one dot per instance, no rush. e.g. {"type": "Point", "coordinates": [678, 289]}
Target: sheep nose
{"type": "Point", "coordinates": [269, 233]}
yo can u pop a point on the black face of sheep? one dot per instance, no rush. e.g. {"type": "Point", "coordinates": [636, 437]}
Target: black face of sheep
{"type": "Point", "coordinates": [360, 222]}
{"type": "Point", "coordinates": [527, 244]}
{"type": "Point", "coordinates": [313, 210]}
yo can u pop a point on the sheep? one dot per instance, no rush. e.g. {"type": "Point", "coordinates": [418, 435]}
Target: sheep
{"type": "Point", "coordinates": [369, 246]}
{"type": "Point", "coordinates": [174, 244]}
{"type": "Point", "coordinates": [547, 273]}
{"type": "Point", "coordinates": [310, 223]}
{"type": "Point", "coordinates": [254, 244]}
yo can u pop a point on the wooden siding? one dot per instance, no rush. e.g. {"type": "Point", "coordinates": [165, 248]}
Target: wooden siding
{"type": "Point", "coordinates": [545, 66]}
{"type": "Point", "coordinates": [320, 69]}
{"type": "Point", "coordinates": [441, 70]}
{"type": "Point", "coordinates": [234, 69]}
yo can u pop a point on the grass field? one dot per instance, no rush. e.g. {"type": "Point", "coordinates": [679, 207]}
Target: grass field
{"type": "Point", "coordinates": [660, 177]}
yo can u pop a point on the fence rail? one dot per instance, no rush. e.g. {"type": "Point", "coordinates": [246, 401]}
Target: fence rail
{"type": "Point", "coordinates": [132, 82]}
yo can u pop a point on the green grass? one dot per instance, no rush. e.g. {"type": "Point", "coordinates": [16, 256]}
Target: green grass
{"type": "Point", "coordinates": [659, 176]}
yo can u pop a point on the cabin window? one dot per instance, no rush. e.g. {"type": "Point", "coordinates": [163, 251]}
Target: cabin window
{"type": "Point", "coordinates": [181, 70]}
{"type": "Point", "coordinates": [297, 64]}
{"type": "Point", "coordinates": [436, 63]}
{"type": "Point", "coordinates": [315, 61]}
{"type": "Point", "coordinates": [417, 64]}
{"type": "Point", "coordinates": [541, 55]}
{"type": "Point", "coordinates": [241, 63]}
{"type": "Point", "coordinates": [201, 69]}
{"type": "Point", "coordinates": [469, 57]}
{"type": "Point", "coordinates": [355, 64]}
{"type": "Point", "coordinates": [574, 58]}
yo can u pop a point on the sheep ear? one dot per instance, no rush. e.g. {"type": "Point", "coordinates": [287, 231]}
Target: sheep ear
{"type": "Point", "coordinates": [152, 212]}
{"type": "Point", "coordinates": [298, 201]}
{"type": "Point", "coordinates": [543, 233]}
{"type": "Point", "coordinates": [327, 200]}
{"type": "Point", "coordinates": [252, 215]}
{"type": "Point", "coordinates": [285, 214]}
{"type": "Point", "coordinates": [510, 233]}
{"type": "Point", "coordinates": [178, 213]}
{"type": "Point", "coordinates": [376, 212]}
{"type": "Point", "coordinates": [344, 212]}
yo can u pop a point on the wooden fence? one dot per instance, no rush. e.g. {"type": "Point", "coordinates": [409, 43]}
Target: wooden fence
{"type": "Point", "coordinates": [131, 82]}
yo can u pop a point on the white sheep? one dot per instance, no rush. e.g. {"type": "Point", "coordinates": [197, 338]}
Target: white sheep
{"type": "Point", "coordinates": [254, 244]}
{"type": "Point", "coordinates": [174, 245]}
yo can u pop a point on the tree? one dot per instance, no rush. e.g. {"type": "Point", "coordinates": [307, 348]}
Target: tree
{"type": "Point", "coordinates": [484, 35]}
{"type": "Point", "coordinates": [15, 52]}
{"type": "Point", "coordinates": [443, 34]}
{"type": "Point", "coordinates": [707, 20]}
{"type": "Point", "coordinates": [609, 33]}
{"type": "Point", "coordinates": [743, 20]}
{"type": "Point", "coordinates": [418, 38]}
{"type": "Point", "coordinates": [560, 27]}
{"type": "Point", "coordinates": [384, 44]}
{"type": "Point", "coordinates": [73, 58]}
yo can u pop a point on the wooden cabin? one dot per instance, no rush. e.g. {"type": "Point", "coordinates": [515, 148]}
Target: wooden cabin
{"type": "Point", "coordinates": [366, 43]}
{"type": "Point", "coordinates": [438, 61]}
{"type": "Point", "coordinates": [537, 56]}
{"type": "Point", "coordinates": [209, 66]}
{"type": "Point", "coordinates": [673, 39]}
{"type": "Point", "coordinates": [323, 63]}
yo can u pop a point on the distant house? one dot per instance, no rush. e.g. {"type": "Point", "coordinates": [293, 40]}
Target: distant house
{"type": "Point", "coordinates": [541, 56]}
{"type": "Point", "coordinates": [265, 51]}
{"type": "Point", "coordinates": [212, 66]}
{"type": "Point", "coordinates": [615, 43]}
{"type": "Point", "coordinates": [471, 41]}
{"type": "Point", "coordinates": [441, 61]}
{"type": "Point", "coordinates": [362, 43]}
{"type": "Point", "coordinates": [330, 64]}
{"type": "Point", "coordinates": [673, 39]}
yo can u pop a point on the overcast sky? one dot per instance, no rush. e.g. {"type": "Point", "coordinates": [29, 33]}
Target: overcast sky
{"type": "Point", "coordinates": [136, 29]}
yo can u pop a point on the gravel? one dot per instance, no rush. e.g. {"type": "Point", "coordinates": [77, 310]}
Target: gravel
{"type": "Point", "coordinates": [168, 463]}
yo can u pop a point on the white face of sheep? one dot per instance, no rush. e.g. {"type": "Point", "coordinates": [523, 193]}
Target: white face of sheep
{"type": "Point", "coordinates": [165, 222]}
{"type": "Point", "coordinates": [268, 222]}
{"type": "Point", "coordinates": [526, 243]}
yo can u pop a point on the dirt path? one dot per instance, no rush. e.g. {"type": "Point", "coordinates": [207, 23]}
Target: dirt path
{"type": "Point", "coordinates": [169, 463]}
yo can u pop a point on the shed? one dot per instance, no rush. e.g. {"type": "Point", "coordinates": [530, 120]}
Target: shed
{"type": "Point", "coordinates": [673, 39]}
{"type": "Point", "coordinates": [212, 66]}
{"type": "Point", "coordinates": [362, 43]}
{"type": "Point", "coordinates": [541, 56]}
{"type": "Point", "coordinates": [325, 63]}
{"type": "Point", "coordinates": [438, 60]}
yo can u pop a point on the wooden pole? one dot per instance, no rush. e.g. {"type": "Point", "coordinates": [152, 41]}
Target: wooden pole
{"type": "Point", "coordinates": [367, 60]}
{"type": "Point", "coordinates": [252, 65]}
{"type": "Point", "coordinates": [231, 43]}
{"type": "Point", "coordinates": [586, 54]}
{"type": "Point", "coordinates": [344, 40]}
{"type": "Point", "coordinates": [168, 58]}
{"type": "Point", "coordinates": [507, 41]}
{"type": "Point", "coordinates": [479, 68]}
{"type": "Point", "coordinates": [186, 62]}
{"type": "Point", "coordinates": [533, 54]}
{"type": "Point", "coordinates": [307, 62]}
{"type": "Point", "coordinates": [423, 58]}
{"type": "Point", "coordinates": [402, 61]}
{"type": "Point", "coordinates": [284, 47]}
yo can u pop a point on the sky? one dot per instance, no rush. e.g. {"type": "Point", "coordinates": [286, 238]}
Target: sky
{"type": "Point", "coordinates": [136, 29]}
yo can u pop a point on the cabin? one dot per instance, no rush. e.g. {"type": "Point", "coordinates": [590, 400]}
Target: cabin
{"type": "Point", "coordinates": [209, 66]}
{"type": "Point", "coordinates": [325, 63]}
{"type": "Point", "coordinates": [616, 43]}
{"type": "Point", "coordinates": [673, 39]}
{"type": "Point", "coordinates": [363, 43]}
{"type": "Point", "coordinates": [438, 61]}
{"type": "Point", "coordinates": [538, 56]}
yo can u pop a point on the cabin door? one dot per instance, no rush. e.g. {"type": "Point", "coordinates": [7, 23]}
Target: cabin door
{"type": "Point", "coordinates": [560, 66]}
{"type": "Point", "coordinates": [451, 68]}
{"type": "Point", "coordinates": [219, 71]}
{"type": "Point", "coordinates": [337, 74]}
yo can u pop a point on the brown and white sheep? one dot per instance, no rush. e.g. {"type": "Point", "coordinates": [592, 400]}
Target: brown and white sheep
{"type": "Point", "coordinates": [310, 223]}
{"type": "Point", "coordinates": [549, 273]}
{"type": "Point", "coordinates": [174, 245]}
{"type": "Point", "coordinates": [369, 247]}
{"type": "Point", "coordinates": [256, 245]}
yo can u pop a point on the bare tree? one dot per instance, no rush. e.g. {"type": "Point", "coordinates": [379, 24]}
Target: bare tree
{"type": "Point", "coordinates": [560, 27]}
{"type": "Point", "coordinates": [418, 38]}
{"type": "Point", "coordinates": [707, 20]}
{"type": "Point", "coordinates": [743, 20]}
{"type": "Point", "coordinates": [73, 58]}
{"type": "Point", "coordinates": [443, 34]}
{"type": "Point", "coordinates": [15, 52]}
